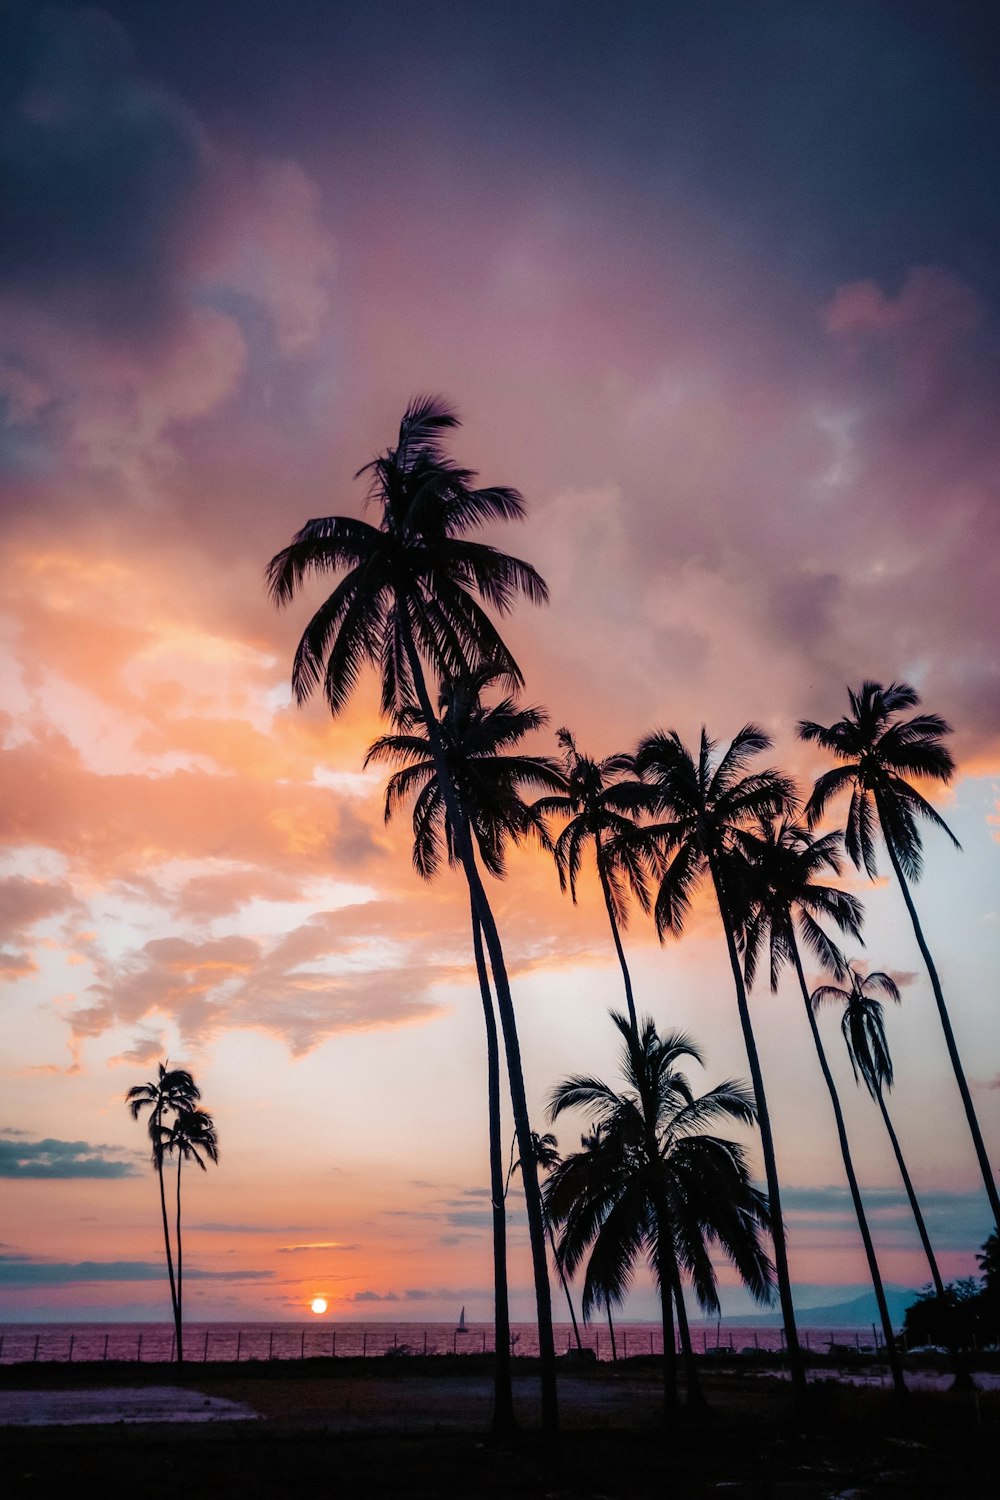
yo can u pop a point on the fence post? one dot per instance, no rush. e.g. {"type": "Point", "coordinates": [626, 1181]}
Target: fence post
{"type": "Point", "coordinates": [454, 1343]}
{"type": "Point", "coordinates": [239, 1344]}
{"type": "Point", "coordinates": [138, 1351]}
{"type": "Point", "coordinates": [364, 1342]}
{"type": "Point", "coordinates": [598, 1332]}
{"type": "Point", "coordinates": [425, 1340]}
{"type": "Point", "coordinates": [204, 1357]}
{"type": "Point", "coordinates": [302, 1347]}
{"type": "Point", "coordinates": [333, 1352]}
{"type": "Point", "coordinates": [270, 1345]}
{"type": "Point", "coordinates": [484, 1340]}
{"type": "Point", "coordinates": [72, 1340]}
{"type": "Point", "coordinates": [624, 1343]}
{"type": "Point", "coordinates": [35, 1355]}
{"type": "Point", "coordinates": [105, 1348]}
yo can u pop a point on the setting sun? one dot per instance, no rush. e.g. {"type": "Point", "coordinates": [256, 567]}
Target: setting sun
{"type": "Point", "coordinates": [318, 1305]}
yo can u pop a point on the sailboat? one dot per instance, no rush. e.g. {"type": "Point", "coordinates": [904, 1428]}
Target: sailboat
{"type": "Point", "coordinates": [462, 1327]}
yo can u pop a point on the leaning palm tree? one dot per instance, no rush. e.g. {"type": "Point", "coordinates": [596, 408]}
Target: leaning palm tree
{"type": "Point", "coordinates": [880, 751]}
{"type": "Point", "coordinates": [787, 901]}
{"type": "Point", "coordinates": [409, 595]}
{"type": "Point", "coordinates": [601, 800]}
{"type": "Point", "coordinates": [173, 1093]}
{"type": "Point", "coordinates": [863, 1029]}
{"type": "Point", "coordinates": [709, 807]}
{"type": "Point", "coordinates": [655, 1184]}
{"type": "Point", "coordinates": [489, 785]}
{"type": "Point", "coordinates": [191, 1137]}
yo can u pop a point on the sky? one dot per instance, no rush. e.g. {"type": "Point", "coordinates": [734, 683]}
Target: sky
{"type": "Point", "coordinates": [717, 287]}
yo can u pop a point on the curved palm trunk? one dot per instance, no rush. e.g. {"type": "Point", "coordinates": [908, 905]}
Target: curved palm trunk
{"type": "Point", "coordinates": [503, 1399]}
{"type": "Point", "coordinates": [796, 1366]}
{"type": "Point", "coordinates": [898, 1383]}
{"type": "Point", "coordinates": [664, 1269]}
{"type": "Point", "coordinates": [515, 1072]}
{"type": "Point", "coordinates": [925, 1239]}
{"type": "Point", "coordinates": [949, 1036]}
{"type": "Point", "coordinates": [564, 1283]}
{"type": "Point", "coordinates": [180, 1267]}
{"type": "Point", "coordinates": [170, 1260]}
{"type": "Point", "coordinates": [606, 888]}
{"type": "Point", "coordinates": [695, 1395]}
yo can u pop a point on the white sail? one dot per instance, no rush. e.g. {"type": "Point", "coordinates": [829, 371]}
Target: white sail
{"type": "Point", "coordinates": [462, 1327]}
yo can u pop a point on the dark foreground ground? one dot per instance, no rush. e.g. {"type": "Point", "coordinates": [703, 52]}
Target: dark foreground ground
{"type": "Point", "coordinates": [417, 1429]}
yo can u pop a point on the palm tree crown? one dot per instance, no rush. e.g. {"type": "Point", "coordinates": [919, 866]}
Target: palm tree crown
{"type": "Point", "coordinates": [881, 751]}
{"type": "Point", "coordinates": [863, 1023]}
{"type": "Point", "coordinates": [786, 898]}
{"type": "Point", "coordinates": [413, 578]}
{"type": "Point", "coordinates": [477, 739]}
{"type": "Point", "coordinates": [650, 1171]}
{"type": "Point", "coordinates": [174, 1092]}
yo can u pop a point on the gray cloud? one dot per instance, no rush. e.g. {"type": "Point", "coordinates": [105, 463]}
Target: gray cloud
{"type": "Point", "coordinates": [18, 1270]}
{"type": "Point", "coordinates": [63, 1159]}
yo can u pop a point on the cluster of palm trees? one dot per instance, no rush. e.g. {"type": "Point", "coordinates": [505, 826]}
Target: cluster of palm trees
{"type": "Point", "coordinates": [411, 601]}
{"type": "Point", "coordinates": [178, 1127]}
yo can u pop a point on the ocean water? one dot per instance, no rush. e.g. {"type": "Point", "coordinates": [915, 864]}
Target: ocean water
{"type": "Point", "coordinates": [326, 1338]}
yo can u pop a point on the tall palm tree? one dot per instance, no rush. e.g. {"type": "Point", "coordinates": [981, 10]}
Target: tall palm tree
{"type": "Point", "coordinates": [709, 806]}
{"type": "Point", "coordinates": [863, 1028]}
{"type": "Point", "coordinates": [655, 1184]}
{"type": "Point", "coordinates": [601, 801]}
{"type": "Point", "coordinates": [173, 1093]}
{"type": "Point", "coordinates": [191, 1137]}
{"type": "Point", "coordinates": [489, 785]}
{"type": "Point", "coordinates": [880, 751]}
{"type": "Point", "coordinates": [787, 902]}
{"type": "Point", "coordinates": [411, 594]}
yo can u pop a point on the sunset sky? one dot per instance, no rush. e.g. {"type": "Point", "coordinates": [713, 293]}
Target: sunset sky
{"type": "Point", "coordinates": [717, 287]}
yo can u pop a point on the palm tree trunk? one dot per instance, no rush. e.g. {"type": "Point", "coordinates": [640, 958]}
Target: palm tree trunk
{"type": "Point", "coordinates": [564, 1283]}
{"type": "Point", "coordinates": [664, 1273]}
{"type": "Point", "coordinates": [180, 1266]}
{"type": "Point", "coordinates": [606, 888]}
{"type": "Point", "coordinates": [503, 1398]}
{"type": "Point", "coordinates": [914, 1205]}
{"type": "Point", "coordinates": [170, 1259]}
{"type": "Point", "coordinates": [898, 1383]}
{"type": "Point", "coordinates": [796, 1366]}
{"type": "Point", "coordinates": [949, 1036]}
{"type": "Point", "coordinates": [611, 1331]}
{"type": "Point", "coordinates": [695, 1395]}
{"type": "Point", "coordinates": [515, 1072]}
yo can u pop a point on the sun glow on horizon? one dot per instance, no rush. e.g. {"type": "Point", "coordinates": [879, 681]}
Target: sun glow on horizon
{"type": "Point", "coordinates": [318, 1305]}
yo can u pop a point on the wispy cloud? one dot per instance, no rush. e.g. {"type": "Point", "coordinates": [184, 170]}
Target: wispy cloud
{"type": "Point", "coordinates": [24, 1271]}
{"type": "Point", "coordinates": [64, 1159]}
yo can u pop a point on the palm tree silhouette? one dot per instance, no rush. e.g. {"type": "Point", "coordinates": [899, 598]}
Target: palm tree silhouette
{"type": "Point", "coordinates": [488, 785]}
{"type": "Point", "coordinates": [711, 805]}
{"type": "Point", "coordinates": [786, 902]}
{"type": "Point", "coordinates": [863, 1028]}
{"type": "Point", "coordinates": [173, 1093]}
{"type": "Point", "coordinates": [191, 1137]}
{"type": "Point", "coordinates": [652, 1182]}
{"type": "Point", "coordinates": [880, 751]}
{"type": "Point", "coordinates": [601, 800]}
{"type": "Point", "coordinates": [410, 592]}
{"type": "Point", "coordinates": [546, 1149]}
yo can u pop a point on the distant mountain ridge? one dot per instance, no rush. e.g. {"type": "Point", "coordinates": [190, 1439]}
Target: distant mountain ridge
{"type": "Point", "coordinates": [856, 1312]}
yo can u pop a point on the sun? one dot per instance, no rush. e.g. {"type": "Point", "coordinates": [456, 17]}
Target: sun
{"type": "Point", "coordinates": [318, 1305]}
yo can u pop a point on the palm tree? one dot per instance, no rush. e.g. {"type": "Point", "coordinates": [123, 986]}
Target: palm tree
{"type": "Point", "coordinates": [787, 901]}
{"type": "Point", "coordinates": [488, 784]}
{"type": "Point", "coordinates": [191, 1137]}
{"type": "Point", "coordinates": [546, 1149]}
{"type": "Point", "coordinates": [173, 1093]}
{"type": "Point", "coordinates": [863, 1028]}
{"type": "Point", "coordinates": [410, 593]}
{"type": "Point", "coordinates": [601, 800]}
{"type": "Point", "coordinates": [710, 808]}
{"type": "Point", "coordinates": [880, 751]}
{"type": "Point", "coordinates": [652, 1183]}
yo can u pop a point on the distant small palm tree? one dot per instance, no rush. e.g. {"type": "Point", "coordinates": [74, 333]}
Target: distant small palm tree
{"type": "Point", "coordinates": [601, 801]}
{"type": "Point", "coordinates": [880, 751]}
{"type": "Point", "coordinates": [191, 1137]}
{"type": "Point", "coordinates": [787, 899]}
{"type": "Point", "coordinates": [863, 1028]}
{"type": "Point", "coordinates": [655, 1184]}
{"type": "Point", "coordinates": [173, 1093]}
{"type": "Point", "coordinates": [709, 805]}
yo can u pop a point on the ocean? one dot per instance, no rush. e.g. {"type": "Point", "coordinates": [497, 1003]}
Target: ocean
{"type": "Point", "coordinates": [325, 1338]}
